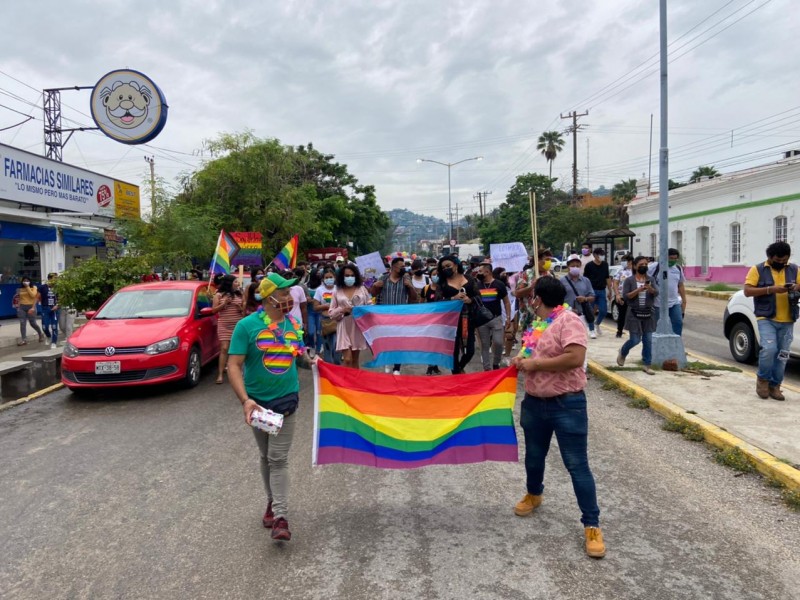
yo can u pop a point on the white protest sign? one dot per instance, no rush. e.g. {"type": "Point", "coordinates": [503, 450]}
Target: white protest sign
{"type": "Point", "coordinates": [512, 256]}
{"type": "Point", "coordinates": [371, 265]}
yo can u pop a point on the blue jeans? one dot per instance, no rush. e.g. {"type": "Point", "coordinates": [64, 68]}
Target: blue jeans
{"type": "Point", "coordinates": [314, 333]}
{"type": "Point", "coordinates": [675, 317]}
{"type": "Point", "coordinates": [646, 340]}
{"type": "Point", "coordinates": [601, 303]}
{"type": "Point", "coordinates": [776, 338]}
{"type": "Point", "coordinates": [330, 354]}
{"type": "Point", "coordinates": [50, 323]}
{"type": "Point", "coordinates": [566, 417]}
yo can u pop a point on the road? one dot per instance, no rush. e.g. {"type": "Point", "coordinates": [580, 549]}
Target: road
{"type": "Point", "coordinates": [158, 496]}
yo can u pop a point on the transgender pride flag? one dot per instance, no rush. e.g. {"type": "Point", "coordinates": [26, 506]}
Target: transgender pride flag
{"type": "Point", "coordinates": [421, 334]}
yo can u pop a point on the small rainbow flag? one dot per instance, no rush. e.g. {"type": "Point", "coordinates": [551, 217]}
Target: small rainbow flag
{"type": "Point", "coordinates": [223, 254]}
{"type": "Point", "coordinates": [488, 294]}
{"type": "Point", "coordinates": [421, 334]}
{"type": "Point", "coordinates": [287, 258]}
{"type": "Point", "coordinates": [404, 422]}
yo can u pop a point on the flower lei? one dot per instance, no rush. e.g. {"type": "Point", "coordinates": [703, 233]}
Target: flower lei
{"type": "Point", "coordinates": [296, 348]}
{"type": "Point", "coordinates": [530, 338]}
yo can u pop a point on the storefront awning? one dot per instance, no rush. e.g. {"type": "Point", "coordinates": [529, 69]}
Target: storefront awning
{"type": "Point", "coordinates": [10, 230]}
{"type": "Point", "coordinates": [74, 237]}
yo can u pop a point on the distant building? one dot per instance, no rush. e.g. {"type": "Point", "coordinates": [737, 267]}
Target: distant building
{"type": "Point", "coordinates": [722, 226]}
{"type": "Point", "coordinates": [587, 200]}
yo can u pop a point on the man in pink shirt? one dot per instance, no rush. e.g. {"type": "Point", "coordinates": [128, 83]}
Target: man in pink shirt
{"type": "Point", "coordinates": [555, 402]}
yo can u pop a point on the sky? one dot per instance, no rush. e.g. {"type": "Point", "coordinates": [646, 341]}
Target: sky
{"type": "Point", "coordinates": [380, 84]}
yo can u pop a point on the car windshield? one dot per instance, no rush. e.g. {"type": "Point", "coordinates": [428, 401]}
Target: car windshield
{"type": "Point", "coordinates": [147, 304]}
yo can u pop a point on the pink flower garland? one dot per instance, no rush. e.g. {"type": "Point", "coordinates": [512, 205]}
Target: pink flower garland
{"type": "Point", "coordinates": [531, 336]}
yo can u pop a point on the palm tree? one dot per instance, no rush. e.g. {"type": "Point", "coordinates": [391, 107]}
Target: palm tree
{"type": "Point", "coordinates": [550, 143]}
{"type": "Point", "coordinates": [703, 172]}
{"type": "Point", "coordinates": [621, 194]}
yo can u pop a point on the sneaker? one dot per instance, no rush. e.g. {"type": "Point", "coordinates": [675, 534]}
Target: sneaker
{"type": "Point", "coordinates": [762, 388]}
{"type": "Point", "coordinates": [280, 530]}
{"type": "Point", "coordinates": [595, 547]}
{"type": "Point", "coordinates": [268, 520]}
{"type": "Point", "coordinates": [620, 360]}
{"type": "Point", "coordinates": [599, 331]}
{"type": "Point", "coordinates": [429, 371]}
{"type": "Point", "coordinates": [53, 346]}
{"type": "Point", "coordinates": [387, 369]}
{"type": "Point", "coordinates": [526, 506]}
{"type": "Point", "coordinates": [619, 334]}
{"type": "Point", "coordinates": [775, 393]}
{"type": "Point", "coordinates": [436, 371]}
{"type": "Point", "coordinates": [395, 372]}
{"type": "Point", "coordinates": [593, 334]}
{"type": "Point", "coordinates": [495, 367]}
{"type": "Point", "coordinates": [648, 370]}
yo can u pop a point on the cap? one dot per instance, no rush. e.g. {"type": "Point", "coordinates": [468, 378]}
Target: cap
{"type": "Point", "coordinates": [572, 257]}
{"type": "Point", "coordinates": [339, 258]}
{"type": "Point", "coordinates": [273, 282]}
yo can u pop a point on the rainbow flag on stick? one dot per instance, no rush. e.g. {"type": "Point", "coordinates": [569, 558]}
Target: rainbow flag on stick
{"type": "Point", "coordinates": [287, 258]}
{"type": "Point", "coordinates": [405, 422]}
{"type": "Point", "coordinates": [421, 334]}
{"type": "Point", "coordinates": [223, 254]}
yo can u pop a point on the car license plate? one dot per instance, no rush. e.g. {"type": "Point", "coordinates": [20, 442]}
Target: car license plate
{"type": "Point", "coordinates": [107, 367]}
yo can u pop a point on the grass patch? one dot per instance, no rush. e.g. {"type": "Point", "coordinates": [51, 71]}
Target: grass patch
{"type": "Point", "coordinates": [791, 498]}
{"type": "Point", "coordinates": [674, 423]}
{"type": "Point", "coordinates": [694, 433]}
{"type": "Point", "coordinates": [638, 403]}
{"type": "Point", "coordinates": [690, 431]}
{"type": "Point", "coordinates": [773, 483]}
{"type": "Point", "coordinates": [697, 365]}
{"type": "Point", "coordinates": [721, 287]}
{"type": "Point", "coordinates": [735, 459]}
{"type": "Point", "coordinates": [609, 386]}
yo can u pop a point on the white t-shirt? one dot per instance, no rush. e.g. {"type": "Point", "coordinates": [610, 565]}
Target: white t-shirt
{"type": "Point", "coordinates": [299, 297]}
{"type": "Point", "coordinates": [420, 285]}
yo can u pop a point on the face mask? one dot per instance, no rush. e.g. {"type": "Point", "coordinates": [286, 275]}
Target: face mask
{"type": "Point", "coordinates": [435, 279]}
{"type": "Point", "coordinates": [27, 283]}
{"type": "Point", "coordinates": [349, 281]}
{"type": "Point", "coordinates": [448, 273]}
{"type": "Point", "coordinates": [599, 257]}
{"type": "Point", "coordinates": [642, 270]}
{"type": "Point", "coordinates": [259, 277]}
{"type": "Point", "coordinates": [407, 269]}
{"type": "Point", "coordinates": [775, 265]}
{"type": "Point", "coordinates": [285, 306]}
{"type": "Point", "coordinates": [320, 271]}
{"type": "Point", "coordinates": [574, 271]}
{"type": "Point", "coordinates": [258, 297]}
{"type": "Point", "coordinates": [481, 276]}
{"type": "Point", "coordinates": [672, 263]}
{"type": "Point", "coordinates": [585, 251]}
{"type": "Point", "coordinates": [419, 273]}
{"type": "Point", "coordinates": [329, 282]}
{"type": "Point", "coordinates": [548, 264]}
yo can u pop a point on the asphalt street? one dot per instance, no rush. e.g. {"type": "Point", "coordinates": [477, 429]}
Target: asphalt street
{"type": "Point", "coordinates": [158, 495]}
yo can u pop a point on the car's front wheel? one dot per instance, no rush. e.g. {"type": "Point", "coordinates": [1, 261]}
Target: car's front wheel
{"type": "Point", "coordinates": [743, 345]}
{"type": "Point", "coordinates": [193, 368]}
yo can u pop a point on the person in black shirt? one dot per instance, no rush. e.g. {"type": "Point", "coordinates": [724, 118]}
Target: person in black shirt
{"type": "Point", "coordinates": [455, 285]}
{"type": "Point", "coordinates": [598, 274]}
{"type": "Point", "coordinates": [492, 335]}
{"type": "Point", "coordinates": [432, 293]}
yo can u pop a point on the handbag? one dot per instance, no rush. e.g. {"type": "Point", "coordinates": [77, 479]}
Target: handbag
{"type": "Point", "coordinates": [479, 314]}
{"type": "Point", "coordinates": [328, 327]}
{"type": "Point", "coordinates": [640, 312]}
{"type": "Point", "coordinates": [285, 405]}
{"type": "Point", "coordinates": [586, 307]}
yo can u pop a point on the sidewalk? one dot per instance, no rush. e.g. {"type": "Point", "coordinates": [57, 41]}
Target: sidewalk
{"type": "Point", "coordinates": [723, 403]}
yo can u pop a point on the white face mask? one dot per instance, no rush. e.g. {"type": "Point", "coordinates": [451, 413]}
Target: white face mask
{"type": "Point", "coordinates": [329, 282]}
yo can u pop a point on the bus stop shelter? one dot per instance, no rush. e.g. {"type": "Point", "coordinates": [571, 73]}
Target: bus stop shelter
{"type": "Point", "coordinates": [612, 240]}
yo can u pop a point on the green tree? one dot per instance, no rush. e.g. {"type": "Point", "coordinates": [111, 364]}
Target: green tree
{"type": "Point", "coordinates": [621, 195]}
{"type": "Point", "coordinates": [674, 185]}
{"type": "Point", "coordinates": [569, 224]}
{"type": "Point", "coordinates": [704, 171]}
{"type": "Point", "coordinates": [89, 283]}
{"type": "Point", "coordinates": [550, 143]}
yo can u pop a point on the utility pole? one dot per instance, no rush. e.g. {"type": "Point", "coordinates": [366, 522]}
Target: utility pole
{"type": "Point", "coordinates": [152, 162]}
{"type": "Point", "coordinates": [573, 129]}
{"type": "Point", "coordinates": [456, 238]}
{"type": "Point", "coordinates": [482, 202]}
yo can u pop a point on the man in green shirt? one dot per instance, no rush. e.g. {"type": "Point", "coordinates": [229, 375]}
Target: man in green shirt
{"type": "Point", "coordinates": [263, 373]}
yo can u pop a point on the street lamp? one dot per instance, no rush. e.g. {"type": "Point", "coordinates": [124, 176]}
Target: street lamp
{"type": "Point", "coordinates": [449, 197]}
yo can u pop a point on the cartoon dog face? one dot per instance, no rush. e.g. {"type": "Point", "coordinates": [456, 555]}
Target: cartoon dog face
{"type": "Point", "coordinates": [126, 103]}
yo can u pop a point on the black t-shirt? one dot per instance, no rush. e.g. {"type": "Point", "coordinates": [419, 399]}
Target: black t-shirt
{"type": "Point", "coordinates": [492, 295]}
{"type": "Point", "coordinates": [431, 295]}
{"type": "Point", "coordinates": [597, 274]}
{"type": "Point", "coordinates": [448, 291]}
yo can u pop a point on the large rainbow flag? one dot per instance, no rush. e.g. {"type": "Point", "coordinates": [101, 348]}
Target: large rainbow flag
{"type": "Point", "coordinates": [287, 257]}
{"type": "Point", "coordinates": [404, 422]}
{"type": "Point", "coordinates": [420, 334]}
{"type": "Point", "coordinates": [223, 254]}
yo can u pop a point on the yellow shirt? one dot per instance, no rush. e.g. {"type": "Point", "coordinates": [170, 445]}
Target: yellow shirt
{"type": "Point", "coordinates": [782, 312]}
{"type": "Point", "coordinates": [27, 295]}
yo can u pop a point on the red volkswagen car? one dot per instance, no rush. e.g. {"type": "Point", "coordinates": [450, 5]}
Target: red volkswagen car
{"type": "Point", "coordinates": [144, 334]}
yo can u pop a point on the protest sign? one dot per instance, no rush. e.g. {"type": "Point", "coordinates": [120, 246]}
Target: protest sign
{"type": "Point", "coordinates": [511, 256]}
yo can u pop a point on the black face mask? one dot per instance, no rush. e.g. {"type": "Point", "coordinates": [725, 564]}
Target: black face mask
{"type": "Point", "coordinates": [448, 273]}
{"type": "Point", "coordinates": [419, 273]}
{"type": "Point", "coordinates": [481, 276]}
{"type": "Point", "coordinates": [642, 270]}
{"type": "Point", "coordinates": [777, 266]}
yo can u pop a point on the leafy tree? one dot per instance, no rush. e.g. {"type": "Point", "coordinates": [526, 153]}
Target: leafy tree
{"type": "Point", "coordinates": [674, 185]}
{"type": "Point", "coordinates": [703, 172]}
{"type": "Point", "coordinates": [89, 283]}
{"type": "Point", "coordinates": [569, 224]}
{"type": "Point", "coordinates": [621, 195]}
{"type": "Point", "coordinates": [550, 143]}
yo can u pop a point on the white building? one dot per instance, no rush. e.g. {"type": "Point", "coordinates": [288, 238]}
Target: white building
{"type": "Point", "coordinates": [51, 214]}
{"type": "Point", "coordinates": [722, 226]}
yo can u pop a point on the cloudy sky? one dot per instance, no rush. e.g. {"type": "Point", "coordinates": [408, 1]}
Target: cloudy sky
{"type": "Point", "coordinates": [381, 83]}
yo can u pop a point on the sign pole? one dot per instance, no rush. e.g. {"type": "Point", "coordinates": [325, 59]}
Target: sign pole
{"type": "Point", "coordinates": [534, 233]}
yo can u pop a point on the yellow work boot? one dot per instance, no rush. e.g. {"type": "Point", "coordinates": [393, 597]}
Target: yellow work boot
{"type": "Point", "coordinates": [525, 506]}
{"type": "Point", "coordinates": [594, 542]}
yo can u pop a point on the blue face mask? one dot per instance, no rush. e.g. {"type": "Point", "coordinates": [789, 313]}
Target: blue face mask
{"type": "Point", "coordinates": [435, 279]}
{"type": "Point", "coordinates": [329, 282]}
{"type": "Point", "coordinates": [349, 281]}
{"type": "Point", "coordinates": [258, 297]}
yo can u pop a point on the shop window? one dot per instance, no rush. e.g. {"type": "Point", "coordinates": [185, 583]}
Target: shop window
{"type": "Point", "coordinates": [736, 242]}
{"type": "Point", "coordinates": [653, 244]}
{"type": "Point", "coordinates": [781, 229]}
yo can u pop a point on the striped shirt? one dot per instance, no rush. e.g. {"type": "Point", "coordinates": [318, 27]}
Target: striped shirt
{"type": "Point", "coordinates": [393, 292]}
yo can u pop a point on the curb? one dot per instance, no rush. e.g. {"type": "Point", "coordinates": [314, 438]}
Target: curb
{"type": "Point", "coordinates": [716, 295]}
{"type": "Point", "coordinates": [33, 396]}
{"type": "Point", "coordinates": [764, 462]}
